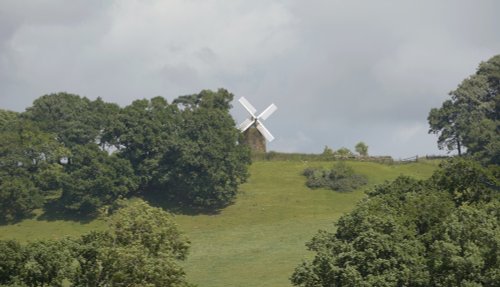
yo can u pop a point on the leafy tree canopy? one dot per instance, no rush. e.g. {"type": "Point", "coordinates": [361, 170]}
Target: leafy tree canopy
{"type": "Point", "coordinates": [75, 120]}
{"type": "Point", "coordinates": [470, 118]}
{"type": "Point", "coordinates": [85, 154]}
{"type": "Point", "coordinates": [143, 247]}
{"type": "Point", "coordinates": [439, 232]}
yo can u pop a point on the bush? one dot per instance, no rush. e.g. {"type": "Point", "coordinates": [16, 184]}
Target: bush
{"type": "Point", "coordinates": [18, 198]}
{"type": "Point", "coordinates": [143, 247]}
{"type": "Point", "coordinates": [340, 178]}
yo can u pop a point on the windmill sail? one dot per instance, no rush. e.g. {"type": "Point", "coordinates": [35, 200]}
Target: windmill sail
{"type": "Point", "coordinates": [245, 125]}
{"type": "Point", "coordinates": [267, 112]}
{"type": "Point", "coordinates": [257, 119]}
{"type": "Point", "coordinates": [262, 129]}
{"type": "Point", "coordinates": [246, 104]}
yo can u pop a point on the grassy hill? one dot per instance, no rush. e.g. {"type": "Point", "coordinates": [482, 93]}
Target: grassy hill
{"type": "Point", "coordinates": [259, 240]}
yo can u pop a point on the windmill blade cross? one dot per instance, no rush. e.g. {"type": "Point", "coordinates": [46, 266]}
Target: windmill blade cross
{"type": "Point", "coordinates": [267, 112]}
{"type": "Point", "coordinates": [264, 131]}
{"type": "Point", "coordinates": [246, 104]}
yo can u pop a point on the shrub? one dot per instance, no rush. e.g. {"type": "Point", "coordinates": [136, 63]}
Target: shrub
{"type": "Point", "coordinates": [339, 178]}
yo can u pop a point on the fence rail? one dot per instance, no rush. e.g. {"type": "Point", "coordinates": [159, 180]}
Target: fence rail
{"type": "Point", "coordinates": [410, 159]}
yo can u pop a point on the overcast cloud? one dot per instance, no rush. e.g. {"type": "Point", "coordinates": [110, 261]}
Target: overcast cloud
{"type": "Point", "coordinates": [339, 71]}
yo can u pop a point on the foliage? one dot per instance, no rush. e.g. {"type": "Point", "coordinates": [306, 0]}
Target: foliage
{"type": "Point", "coordinates": [150, 227]}
{"type": "Point", "coordinates": [46, 263]}
{"type": "Point", "coordinates": [75, 120]}
{"type": "Point", "coordinates": [6, 118]}
{"type": "Point", "coordinates": [465, 249]}
{"type": "Point", "coordinates": [142, 248]}
{"type": "Point", "coordinates": [204, 165]}
{"type": "Point", "coordinates": [340, 177]}
{"type": "Point", "coordinates": [470, 118]}
{"type": "Point", "coordinates": [11, 260]}
{"type": "Point", "coordinates": [84, 154]}
{"type": "Point", "coordinates": [467, 181]}
{"type": "Point", "coordinates": [186, 151]}
{"type": "Point", "coordinates": [144, 131]}
{"type": "Point", "coordinates": [40, 263]}
{"type": "Point", "coordinates": [414, 233]}
{"type": "Point", "coordinates": [327, 153]}
{"type": "Point", "coordinates": [361, 149]}
{"type": "Point", "coordinates": [93, 178]}
{"type": "Point", "coordinates": [26, 153]}
{"type": "Point", "coordinates": [343, 153]}
{"type": "Point", "coordinates": [18, 198]}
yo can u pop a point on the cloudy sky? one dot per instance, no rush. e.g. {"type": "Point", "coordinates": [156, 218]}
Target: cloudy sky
{"type": "Point", "coordinates": [339, 71]}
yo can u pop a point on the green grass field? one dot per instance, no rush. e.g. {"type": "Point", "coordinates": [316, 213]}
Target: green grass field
{"type": "Point", "coordinates": [259, 240]}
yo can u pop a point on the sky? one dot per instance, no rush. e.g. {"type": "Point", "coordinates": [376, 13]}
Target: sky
{"type": "Point", "coordinates": [340, 72]}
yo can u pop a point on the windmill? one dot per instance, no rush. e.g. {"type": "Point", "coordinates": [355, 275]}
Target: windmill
{"type": "Point", "coordinates": [255, 133]}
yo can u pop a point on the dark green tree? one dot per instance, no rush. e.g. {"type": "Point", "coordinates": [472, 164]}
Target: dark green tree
{"type": "Point", "coordinates": [470, 119]}
{"type": "Point", "coordinates": [204, 164]}
{"type": "Point", "coordinates": [46, 263]}
{"type": "Point", "coordinates": [414, 233]}
{"type": "Point", "coordinates": [11, 261]}
{"type": "Point", "coordinates": [25, 154]}
{"type": "Point", "coordinates": [467, 181]}
{"type": "Point", "coordinates": [73, 119]}
{"type": "Point", "coordinates": [6, 118]}
{"type": "Point", "coordinates": [464, 251]}
{"type": "Point", "coordinates": [18, 198]}
{"type": "Point", "coordinates": [143, 133]}
{"type": "Point", "coordinates": [93, 179]}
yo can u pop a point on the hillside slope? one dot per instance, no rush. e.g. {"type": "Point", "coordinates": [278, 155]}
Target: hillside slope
{"type": "Point", "coordinates": [259, 240]}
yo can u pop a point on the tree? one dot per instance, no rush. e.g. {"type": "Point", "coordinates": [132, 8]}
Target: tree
{"type": "Point", "coordinates": [18, 198]}
{"type": "Point", "coordinates": [343, 153]}
{"type": "Point", "coordinates": [6, 118]}
{"type": "Point", "coordinates": [362, 149]}
{"type": "Point", "coordinates": [25, 153]}
{"type": "Point", "coordinates": [204, 165]}
{"type": "Point", "coordinates": [446, 122]}
{"type": "Point", "coordinates": [327, 153]}
{"type": "Point", "coordinates": [464, 251]}
{"type": "Point", "coordinates": [11, 260]}
{"type": "Point", "coordinates": [466, 181]}
{"type": "Point", "coordinates": [414, 233]}
{"type": "Point", "coordinates": [143, 133]}
{"type": "Point", "coordinates": [470, 119]}
{"type": "Point", "coordinates": [93, 179]}
{"type": "Point", "coordinates": [75, 120]}
{"type": "Point", "coordinates": [46, 263]}
{"type": "Point", "coordinates": [142, 248]}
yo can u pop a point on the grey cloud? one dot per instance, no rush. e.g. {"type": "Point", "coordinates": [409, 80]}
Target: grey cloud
{"type": "Point", "coordinates": [339, 71]}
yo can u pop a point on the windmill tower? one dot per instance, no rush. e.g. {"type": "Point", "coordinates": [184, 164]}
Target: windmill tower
{"type": "Point", "coordinates": [254, 132]}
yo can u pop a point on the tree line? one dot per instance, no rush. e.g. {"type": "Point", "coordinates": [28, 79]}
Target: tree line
{"type": "Point", "coordinates": [78, 155]}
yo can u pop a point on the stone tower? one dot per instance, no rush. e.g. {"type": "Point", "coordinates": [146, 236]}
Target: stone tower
{"type": "Point", "coordinates": [254, 139]}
